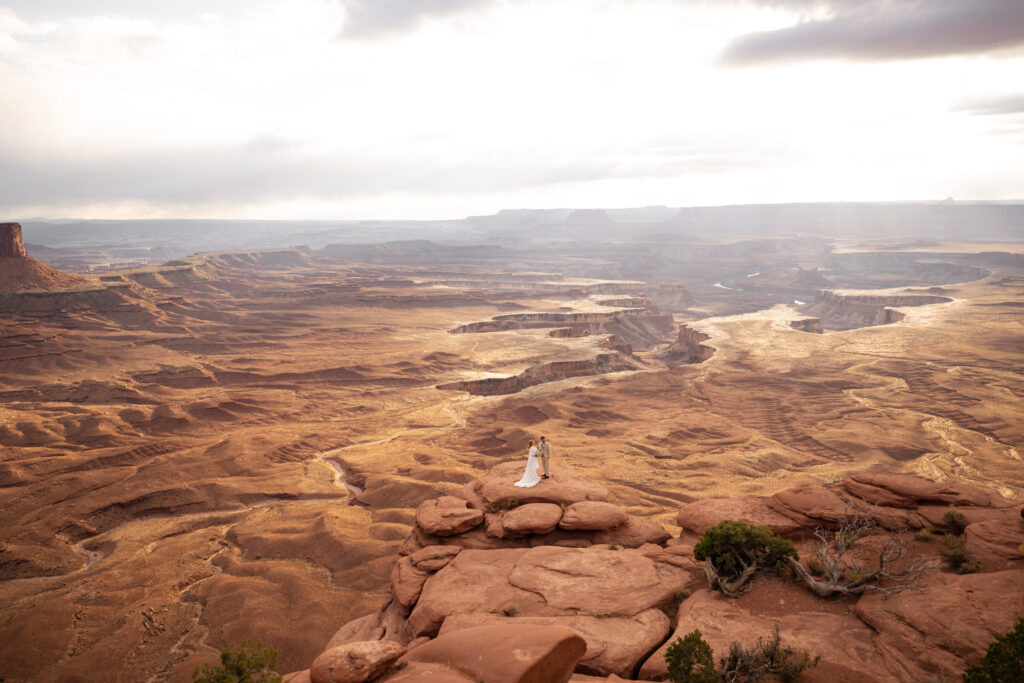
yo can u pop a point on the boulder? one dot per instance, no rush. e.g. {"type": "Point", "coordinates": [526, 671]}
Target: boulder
{"type": "Point", "coordinates": [407, 582]}
{"type": "Point", "coordinates": [699, 516]}
{"type": "Point", "coordinates": [843, 641]}
{"type": "Point", "coordinates": [532, 518]}
{"type": "Point", "coordinates": [997, 543]}
{"type": "Point", "coordinates": [355, 662]}
{"type": "Point", "coordinates": [497, 488]}
{"type": "Point", "coordinates": [810, 506]}
{"type": "Point", "coordinates": [508, 653]}
{"type": "Point", "coordinates": [636, 532]}
{"type": "Point", "coordinates": [615, 644]}
{"type": "Point", "coordinates": [358, 630]}
{"type": "Point", "coordinates": [592, 515]}
{"type": "Point", "coordinates": [596, 580]}
{"type": "Point", "coordinates": [947, 626]}
{"type": "Point", "coordinates": [434, 557]}
{"type": "Point", "coordinates": [447, 516]}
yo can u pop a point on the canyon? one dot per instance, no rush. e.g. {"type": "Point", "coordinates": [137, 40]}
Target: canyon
{"type": "Point", "coordinates": [238, 444]}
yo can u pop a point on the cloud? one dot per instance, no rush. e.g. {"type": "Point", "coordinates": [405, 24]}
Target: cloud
{"type": "Point", "coordinates": [881, 30]}
{"type": "Point", "coordinates": [1000, 105]}
{"type": "Point", "coordinates": [367, 18]}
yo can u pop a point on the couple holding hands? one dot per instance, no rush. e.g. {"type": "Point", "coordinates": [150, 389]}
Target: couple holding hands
{"type": "Point", "coordinates": [530, 477]}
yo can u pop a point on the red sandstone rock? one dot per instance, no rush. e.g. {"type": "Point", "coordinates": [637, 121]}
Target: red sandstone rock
{"type": "Point", "coordinates": [997, 542]}
{"type": "Point", "coordinates": [812, 506]}
{"type": "Point", "coordinates": [532, 518]}
{"type": "Point", "coordinates": [497, 487]}
{"type": "Point", "coordinates": [947, 626]}
{"type": "Point", "coordinates": [20, 272]}
{"type": "Point", "coordinates": [416, 672]}
{"type": "Point", "coordinates": [358, 630]}
{"type": "Point", "coordinates": [475, 581]}
{"type": "Point", "coordinates": [844, 642]}
{"type": "Point", "coordinates": [297, 677]}
{"type": "Point", "coordinates": [636, 532]}
{"type": "Point", "coordinates": [11, 245]}
{"type": "Point", "coordinates": [595, 580]}
{"type": "Point", "coordinates": [903, 490]}
{"type": "Point", "coordinates": [615, 644]}
{"type": "Point", "coordinates": [355, 662]}
{"type": "Point", "coordinates": [407, 582]}
{"type": "Point", "coordinates": [511, 653]}
{"type": "Point", "coordinates": [592, 515]}
{"type": "Point", "coordinates": [699, 516]}
{"type": "Point", "coordinates": [434, 557]}
{"type": "Point", "coordinates": [447, 516]}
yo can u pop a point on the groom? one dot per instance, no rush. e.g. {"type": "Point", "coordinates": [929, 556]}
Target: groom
{"type": "Point", "coordinates": [545, 456]}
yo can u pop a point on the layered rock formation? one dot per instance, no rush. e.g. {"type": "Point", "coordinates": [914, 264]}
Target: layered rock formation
{"type": "Point", "coordinates": [601, 364]}
{"type": "Point", "coordinates": [846, 312]}
{"type": "Point", "coordinates": [20, 272]}
{"type": "Point", "coordinates": [556, 579]}
{"type": "Point", "coordinates": [688, 348]}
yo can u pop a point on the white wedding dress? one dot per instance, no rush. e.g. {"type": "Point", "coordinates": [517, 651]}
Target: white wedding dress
{"type": "Point", "coordinates": [530, 477]}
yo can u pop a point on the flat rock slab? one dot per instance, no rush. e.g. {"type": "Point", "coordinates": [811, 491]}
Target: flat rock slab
{"type": "Point", "coordinates": [592, 515]}
{"type": "Point", "coordinates": [905, 490]}
{"type": "Point", "coordinates": [416, 672]}
{"type": "Point", "coordinates": [596, 580]}
{"type": "Point", "coordinates": [532, 518]}
{"type": "Point", "coordinates": [844, 642]}
{"type": "Point", "coordinates": [509, 653]}
{"type": "Point", "coordinates": [497, 487]}
{"type": "Point", "coordinates": [699, 516]}
{"type": "Point", "coordinates": [475, 581]}
{"type": "Point", "coordinates": [947, 626]}
{"type": "Point", "coordinates": [615, 645]}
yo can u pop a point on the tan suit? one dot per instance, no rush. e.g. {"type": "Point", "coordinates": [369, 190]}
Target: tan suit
{"type": "Point", "coordinates": [545, 457]}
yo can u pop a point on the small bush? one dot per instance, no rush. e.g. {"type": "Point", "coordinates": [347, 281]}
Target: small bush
{"type": "Point", "coordinates": [690, 660]}
{"type": "Point", "coordinates": [509, 609]}
{"type": "Point", "coordinates": [614, 546]}
{"type": "Point", "coordinates": [1003, 661]}
{"type": "Point", "coordinates": [246, 663]}
{"type": "Point", "coordinates": [815, 568]}
{"type": "Point", "coordinates": [925, 535]}
{"type": "Point", "coordinates": [1020, 550]}
{"type": "Point", "coordinates": [734, 550]}
{"type": "Point", "coordinates": [955, 520]}
{"type": "Point", "coordinates": [957, 557]}
{"type": "Point", "coordinates": [767, 657]}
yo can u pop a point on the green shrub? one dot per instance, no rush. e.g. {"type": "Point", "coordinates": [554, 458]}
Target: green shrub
{"type": "Point", "coordinates": [509, 609]}
{"type": "Point", "coordinates": [767, 657]}
{"type": "Point", "coordinates": [690, 660]}
{"type": "Point", "coordinates": [246, 663]}
{"type": "Point", "coordinates": [1003, 661]}
{"type": "Point", "coordinates": [957, 557]}
{"type": "Point", "coordinates": [955, 520]}
{"type": "Point", "coordinates": [924, 535]}
{"type": "Point", "coordinates": [732, 547]}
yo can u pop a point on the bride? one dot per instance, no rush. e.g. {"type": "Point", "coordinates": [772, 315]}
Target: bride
{"type": "Point", "coordinates": [530, 477]}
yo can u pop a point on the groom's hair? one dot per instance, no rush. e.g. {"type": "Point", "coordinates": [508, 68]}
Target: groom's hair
{"type": "Point", "coordinates": [542, 438]}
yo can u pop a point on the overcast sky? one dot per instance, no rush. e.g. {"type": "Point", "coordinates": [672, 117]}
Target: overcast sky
{"type": "Point", "coordinates": [446, 108]}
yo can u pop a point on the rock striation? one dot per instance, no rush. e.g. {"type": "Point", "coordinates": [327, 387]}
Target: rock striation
{"type": "Point", "coordinates": [555, 584]}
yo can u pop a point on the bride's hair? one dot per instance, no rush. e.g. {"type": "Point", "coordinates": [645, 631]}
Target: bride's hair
{"type": "Point", "coordinates": [531, 443]}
